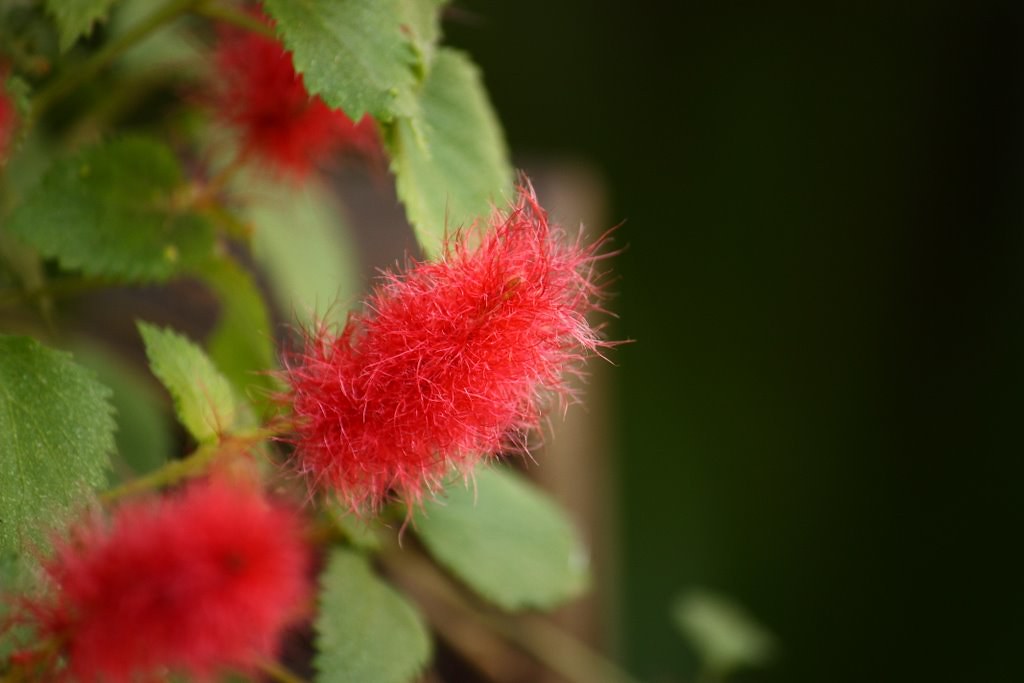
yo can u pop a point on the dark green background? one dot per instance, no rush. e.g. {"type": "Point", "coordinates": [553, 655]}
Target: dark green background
{"type": "Point", "coordinates": [821, 414]}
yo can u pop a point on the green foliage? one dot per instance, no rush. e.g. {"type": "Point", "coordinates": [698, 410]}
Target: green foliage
{"type": "Point", "coordinates": [143, 437]}
{"type": "Point", "coordinates": [75, 18]}
{"type": "Point", "coordinates": [725, 636]}
{"type": "Point", "coordinates": [300, 241]}
{"type": "Point", "coordinates": [56, 431]}
{"type": "Point", "coordinates": [203, 398]}
{"type": "Point", "coordinates": [359, 532]}
{"type": "Point", "coordinates": [506, 540]}
{"type": "Point", "coordinates": [366, 632]}
{"type": "Point", "coordinates": [450, 162]}
{"type": "Point", "coordinates": [120, 199]}
{"type": "Point", "coordinates": [242, 344]}
{"type": "Point", "coordinates": [14, 578]}
{"type": "Point", "coordinates": [353, 53]}
{"type": "Point", "coordinates": [422, 20]}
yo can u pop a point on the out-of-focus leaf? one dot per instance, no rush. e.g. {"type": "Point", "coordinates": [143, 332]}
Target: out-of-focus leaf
{"type": "Point", "coordinates": [450, 163]}
{"type": "Point", "coordinates": [352, 53]}
{"type": "Point", "coordinates": [299, 239]}
{"type": "Point", "coordinates": [144, 439]}
{"type": "Point", "coordinates": [202, 396]}
{"type": "Point", "coordinates": [119, 197]}
{"type": "Point", "coordinates": [724, 635]}
{"type": "Point", "coordinates": [75, 18]}
{"type": "Point", "coordinates": [241, 345]}
{"type": "Point", "coordinates": [56, 433]}
{"type": "Point", "coordinates": [366, 631]}
{"type": "Point", "coordinates": [507, 540]}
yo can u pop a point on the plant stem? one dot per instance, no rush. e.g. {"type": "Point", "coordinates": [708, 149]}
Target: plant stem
{"type": "Point", "coordinates": [231, 15]}
{"type": "Point", "coordinates": [194, 465]}
{"type": "Point", "coordinates": [173, 472]}
{"type": "Point", "coordinates": [97, 62]}
{"type": "Point", "coordinates": [279, 673]}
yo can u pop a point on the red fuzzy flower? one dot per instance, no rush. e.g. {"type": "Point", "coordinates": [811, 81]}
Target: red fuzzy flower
{"type": "Point", "coordinates": [452, 361]}
{"type": "Point", "coordinates": [195, 583]}
{"type": "Point", "coordinates": [8, 121]}
{"type": "Point", "coordinates": [262, 97]}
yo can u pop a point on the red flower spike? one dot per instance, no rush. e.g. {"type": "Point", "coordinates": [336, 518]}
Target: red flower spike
{"type": "Point", "coordinates": [451, 362]}
{"type": "Point", "coordinates": [8, 121]}
{"type": "Point", "coordinates": [195, 583]}
{"type": "Point", "coordinates": [262, 97]}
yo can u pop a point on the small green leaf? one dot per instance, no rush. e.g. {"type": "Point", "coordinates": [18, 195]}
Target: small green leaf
{"type": "Point", "coordinates": [202, 395]}
{"type": "Point", "coordinates": [75, 18]}
{"type": "Point", "coordinates": [242, 343]}
{"type": "Point", "coordinates": [725, 636]}
{"type": "Point", "coordinates": [506, 540]}
{"type": "Point", "coordinates": [119, 198]}
{"type": "Point", "coordinates": [450, 164]}
{"type": "Point", "coordinates": [301, 242]}
{"type": "Point", "coordinates": [352, 53]}
{"type": "Point", "coordinates": [366, 632]}
{"type": "Point", "coordinates": [56, 432]}
{"type": "Point", "coordinates": [422, 21]}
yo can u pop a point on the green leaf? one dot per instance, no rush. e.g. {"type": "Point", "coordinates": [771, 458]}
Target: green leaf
{"type": "Point", "coordinates": [144, 439]}
{"type": "Point", "coordinates": [352, 53]}
{"type": "Point", "coordinates": [202, 395]}
{"type": "Point", "coordinates": [110, 211]}
{"type": "Point", "coordinates": [358, 532]}
{"type": "Point", "coordinates": [242, 343]}
{"type": "Point", "coordinates": [15, 579]}
{"type": "Point", "coordinates": [75, 18]}
{"type": "Point", "coordinates": [451, 164]}
{"type": "Point", "coordinates": [300, 241]}
{"type": "Point", "coordinates": [725, 636]}
{"type": "Point", "coordinates": [506, 540]}
{"type": "Point", "coordinates": [366, 632]}
{"type": "Point", "coordinates": [422, 21]}
{"type": "Point", "coordinates": [56, 432]}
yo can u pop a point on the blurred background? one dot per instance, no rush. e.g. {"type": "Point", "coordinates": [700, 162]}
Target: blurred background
{"type": "Point", "coordinates": [820, 416]}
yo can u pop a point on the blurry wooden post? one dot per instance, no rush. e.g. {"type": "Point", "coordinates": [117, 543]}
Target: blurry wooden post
{"type": "Point", "coordinates": [576, 462]}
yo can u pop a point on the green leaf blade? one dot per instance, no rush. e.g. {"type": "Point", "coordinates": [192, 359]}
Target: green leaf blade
{"type": "Point", "coordinates": [308, 259]}
{"type": "Point", "coordinates": [366, 632]}
{"type": "Point", "coordinates": [75, 18]}
{"type": "Point", "coordinates": [203, 398]}
{"type": "Point", "coordinates": [119, 197]}
{"type": "Point", "coordinates": [241, 344]}
{"type": "Point", "coordinates": [451, 163]}
{"type": "Point", "coordinates": [56, 435]}
{"type": "Point", "coordinates": [507, 541]}
{"type": "Point", "coordinates": [422, 21]}
{"type": "Point", "coordinates": [725, 636]}
{"type": "Point", "coordinates": [352, 53]}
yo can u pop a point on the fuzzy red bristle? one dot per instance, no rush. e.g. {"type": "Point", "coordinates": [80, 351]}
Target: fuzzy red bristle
{"type": "Point", "coordinates": [261, 96]}
{"type": "Point", "coordinates": [450, 362]}
{"type": "Point", "coordinates": [8, 120]}
{"type": "Point", "coordinates": [194, 583]}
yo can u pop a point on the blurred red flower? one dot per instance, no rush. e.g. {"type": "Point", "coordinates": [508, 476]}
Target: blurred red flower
{"type": "Point", "coordinates": [451, 362]}
{"type": "Point", "coordinates": [259, 94]}
{"type": "Point", "coordinates": [8, 120]}
{"type": "Point", "coordinates": [195, 582]}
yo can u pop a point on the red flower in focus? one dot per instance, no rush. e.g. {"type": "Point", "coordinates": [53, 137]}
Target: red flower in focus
{"type": "Point", "coordinates": [452, 361]}
{"type": "Point", "coordinates": [196, 583]}
{"type": "Point", "coordinates": [262, 97]}
{"type": "Point", "coordinates": [8, 120]}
